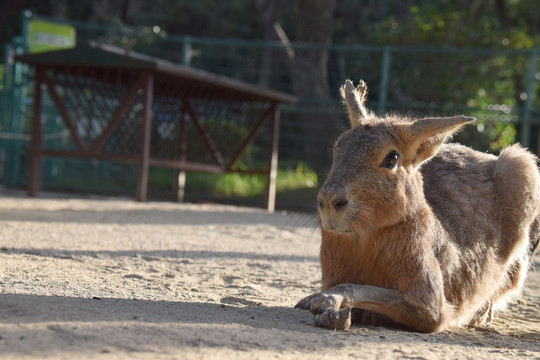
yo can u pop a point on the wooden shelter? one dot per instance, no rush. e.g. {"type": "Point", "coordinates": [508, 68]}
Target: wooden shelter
{"type": "Point", "coordinates": [123, 106]}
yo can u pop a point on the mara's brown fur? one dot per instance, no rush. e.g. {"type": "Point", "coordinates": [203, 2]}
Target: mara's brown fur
{"type": "Point", "coordinates": [425, 234]}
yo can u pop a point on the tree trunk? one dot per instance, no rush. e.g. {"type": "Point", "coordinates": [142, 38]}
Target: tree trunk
{"type": "Point", "coordinates": [307, 64]}
{"type": "Point", "coordinates": [309, 75]}
{"type": "Point", "coordinates": [266, 10]}
{"type": "Point", "coordinates": [502, 13]}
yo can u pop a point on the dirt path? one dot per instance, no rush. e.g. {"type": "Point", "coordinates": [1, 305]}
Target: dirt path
{"type": "Point", "coordinates": [115, 279]}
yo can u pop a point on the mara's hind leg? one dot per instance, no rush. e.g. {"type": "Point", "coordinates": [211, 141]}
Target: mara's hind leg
{"type": "Point", "coordinates": [534, 237]}
{"type": "Point", "coordinates": [515, 278]}
{"type": "Point", "coordinates": [367, 317]}
{"type": "Point", "coordinates": [484, 316]}
{"type": "Point", "coordinates": [517, 272]}
{"type": "Point", "coordinates": [509, 292]}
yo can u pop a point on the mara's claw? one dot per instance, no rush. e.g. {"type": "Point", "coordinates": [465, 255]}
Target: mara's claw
{"type": "Point", "coordinates": [302, 304]}
{"type": "Point", "coordinates": [320, 302]}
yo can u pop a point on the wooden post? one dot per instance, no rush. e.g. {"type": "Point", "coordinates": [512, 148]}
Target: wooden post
{"type": "Point", "coordinates": [181, 184]}
{"type": "Point", "coordinates": [272, 169]}
{"type": "Point", "coordinates": [34, 177]}
{"type": "Point", "coordinates": [146, 127]}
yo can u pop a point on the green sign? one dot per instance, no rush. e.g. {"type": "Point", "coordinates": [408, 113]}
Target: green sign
{"type": "Point", "coordinates": [46, 36]}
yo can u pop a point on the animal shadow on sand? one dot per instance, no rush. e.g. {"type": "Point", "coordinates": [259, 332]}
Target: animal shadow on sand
{"type": "Point", "coordinates": [94, 323]}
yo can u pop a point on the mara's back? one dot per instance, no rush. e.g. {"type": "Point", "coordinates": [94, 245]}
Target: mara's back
{"type": "Point", "coordinates": [480, 198]}
{"type": "Point", "coordinates": [458, 186]}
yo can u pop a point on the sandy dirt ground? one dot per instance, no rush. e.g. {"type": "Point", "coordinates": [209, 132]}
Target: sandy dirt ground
{"type": "Point", "coordinates": [115, 279]}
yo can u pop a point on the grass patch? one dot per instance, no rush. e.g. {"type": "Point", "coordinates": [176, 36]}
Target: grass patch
{"type": "Point", "coordinates": [296, 183]}
{"type": "Point", "coordinates": [298, 177]}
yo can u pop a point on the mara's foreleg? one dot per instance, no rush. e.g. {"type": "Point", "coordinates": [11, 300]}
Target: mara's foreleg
{"type": "Point", "coordinates": [332, 308]}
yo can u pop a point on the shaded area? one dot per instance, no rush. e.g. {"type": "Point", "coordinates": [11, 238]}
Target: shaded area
{"type": "Point", "coordinates": [91, 324]}
{"type": "Point", "coordinates": [156, 255]}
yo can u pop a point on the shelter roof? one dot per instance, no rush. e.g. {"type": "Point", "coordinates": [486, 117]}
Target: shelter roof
{"type": "Point", "coordinates": [93, 58]}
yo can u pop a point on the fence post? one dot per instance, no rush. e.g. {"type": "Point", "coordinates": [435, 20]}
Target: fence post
{"type": "Point", "coordinates": [186, 51]}
{"type": "Point", "coordinates": [35, 159]}
{"type": "Point", "coordinates": [526, 114]}
{"type": "Point", "coordinates": [146, 128]}
{"type": "Point", "coordinates": [14, 149]}
{"type": "Point", "coordinates": [385, 74]}
{"type": "Point", "coordinates": [26, 16]}
{"type": "Point", "coordinates": [19, 71]}
{"type": "Point", "coordinates": [273, 161]}
{"type": "Point", "coordinates": [5, 111]}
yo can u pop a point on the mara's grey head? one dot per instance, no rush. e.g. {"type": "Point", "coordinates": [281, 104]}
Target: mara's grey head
{"type": "Point", "coordinates": [374, 179]}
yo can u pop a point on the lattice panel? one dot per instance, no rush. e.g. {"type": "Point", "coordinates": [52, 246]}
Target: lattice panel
{"type": "Point", "coordinates": [91, 102]}
{"type": "Point", "coordinates": [126, 138]}
{"type": "Point", "coordinates": [228, 124]}
{"type": "Point", "coordinates": [165, 138]}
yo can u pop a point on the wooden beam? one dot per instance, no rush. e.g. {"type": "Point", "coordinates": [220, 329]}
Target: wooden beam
{"type": "Point", "coordinates": [34, 177]}
{"type": "Point", "coordinates": [64, 113]}
{"type": "Point", "coordinates": [272, 168]}
{"type": "Point", "coordinates": [210, 144]}
{"type": "Point", "coordinates": [117, 115]}
{"type": "Point", "coordinates": [187, 166]}
{"type": "Point", "coordinates": [78, 155]}
{"type": "Point", "coordinates": [146, 128]}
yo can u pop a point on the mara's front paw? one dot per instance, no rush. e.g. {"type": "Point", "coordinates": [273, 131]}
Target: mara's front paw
{"type": "Point", "coordinates": [335, 319]}
{"type": "Point", "coordinates": [329, 310]}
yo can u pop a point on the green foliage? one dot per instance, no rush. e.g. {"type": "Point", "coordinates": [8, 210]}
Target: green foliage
{"type": "Point", "coordinates": [234, 184]}
{"type": "Point", "coordinates": [451, 23]}
{"type": "Point", "coordinates": [239, 185]}
{"type": "Point", "coordinates": [489, 134]}
{"type": "Point", "coordinates": [299, 177]}
{"type": "Point", "coordinates": [488, 87]}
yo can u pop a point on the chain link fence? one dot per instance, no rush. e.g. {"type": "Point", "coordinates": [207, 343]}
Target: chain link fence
{"type": "Point", "coordinates": [499, 87]}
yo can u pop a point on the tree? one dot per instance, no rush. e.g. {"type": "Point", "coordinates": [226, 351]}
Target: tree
{"type": "Point", "coordinates": [308, 70]}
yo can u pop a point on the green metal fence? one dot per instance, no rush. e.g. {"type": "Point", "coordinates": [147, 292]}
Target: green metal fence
{"type": "Point", "coordinates": [500, 87]}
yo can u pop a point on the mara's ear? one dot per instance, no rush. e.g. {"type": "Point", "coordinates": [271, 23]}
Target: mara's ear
{"type": "Point", "coordinates": [427, 135]}
{"type": "Point", "coordinates": [354, 99]}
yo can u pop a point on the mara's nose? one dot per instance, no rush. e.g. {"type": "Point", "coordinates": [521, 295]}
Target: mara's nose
{"type": "Point", "coordinates": [330, 198]}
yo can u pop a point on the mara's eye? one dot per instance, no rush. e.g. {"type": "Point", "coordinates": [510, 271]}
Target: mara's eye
{"type": "Point", "coordinates": [391, 160]}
